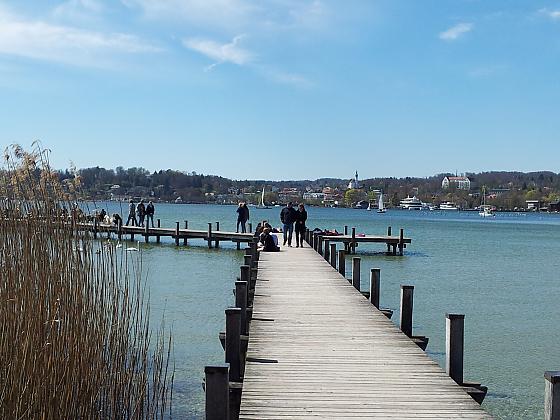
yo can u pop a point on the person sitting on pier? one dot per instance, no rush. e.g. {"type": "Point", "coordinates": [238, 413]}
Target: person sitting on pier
{"type": "Point", "coordinates": [288, 216]}
{"type": "Point", "coordinates": [132, 214]}
{"type": "Point", "coordinates": [101, 215]}
{"type": "Point", "coordinates": [117, 219]}
{"type": "Point", "coordinates": [150, 210]}
{"type": "Point", "coordinates": [268, 242]}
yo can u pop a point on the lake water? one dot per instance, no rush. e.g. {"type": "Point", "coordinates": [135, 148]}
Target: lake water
{"type": "Point", "coordinates": [502, 273]}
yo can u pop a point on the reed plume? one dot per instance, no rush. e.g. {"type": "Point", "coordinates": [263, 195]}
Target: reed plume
{"type": "Point", "coordinates": [75, 338]}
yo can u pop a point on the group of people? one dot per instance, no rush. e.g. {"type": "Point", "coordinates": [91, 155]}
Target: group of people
{"type": "Point", "coordinates": [142, 211]}
{"type": "Point", "coordinates": [291, 219]}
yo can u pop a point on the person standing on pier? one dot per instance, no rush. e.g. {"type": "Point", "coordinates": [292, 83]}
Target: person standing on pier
{"type": "Point", "coordinates": [242, 216]}
{"type": "Point", "coordinates": [141, 211]}
{"type": "Point", "coordinates": [150, 210]}
{"type": "Point", "coordinates": [132, 214]}
{"type": "Point", "coordinates": [288, 216]}
{"type": "Point", "coordinates": [300, 225]}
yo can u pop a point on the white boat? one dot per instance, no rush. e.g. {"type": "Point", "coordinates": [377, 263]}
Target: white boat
{"type": "Point", "coordinates": [262, 205]}
{"type": "Point", "coordinates": [485, 209]}
{"type": "Point", "coordinates": [369, 207]}
{"type": "Point", "coordinates": [411, 203]}
{"type": "Point", "coordinates": [381, 207]}
{"type": "Point", "coordinates": [448, 205]}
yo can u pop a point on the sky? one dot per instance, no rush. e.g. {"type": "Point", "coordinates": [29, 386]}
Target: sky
{"type": "Point", "coordinates": [284, 89]}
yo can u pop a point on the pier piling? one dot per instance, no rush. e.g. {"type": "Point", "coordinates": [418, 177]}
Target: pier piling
{"type": "Point", "coordinates": [186, 227]}
{"type": "Point", "coordinates": [374, 286]}
{"type": "Point", "coordinates": [158, 238]}
{"type": "Point", "coordinates": [326, 249]}
{"type": "Point", "coordinates": [209, 235]}
{"type": "Point", "coordinates": [241, 303]}
{"type": "Point", "coordinates": [454, 346]}
{"type": "Point", "coordinates": [407, 301]}
{"type": "Point", "coordinates": [552, 395]}
{"type": "Point", "coordinates": [233, 332]}
{"type": "Point", "coordinates": [333, 256]}
{"type": "Point", "coordinates": [356, 273]}
{"type": "Point", "coordinates": [217, 242]}
{"type": "Point", "coordinates": [177, 233]}
{"type": "Point", "coordinates": [217, 392]}
{"type": "Point", "coordinates": [341, 262]}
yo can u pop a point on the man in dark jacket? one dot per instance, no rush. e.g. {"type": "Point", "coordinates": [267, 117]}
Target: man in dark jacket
{"type": "Point", "coordinates": [288, 216]}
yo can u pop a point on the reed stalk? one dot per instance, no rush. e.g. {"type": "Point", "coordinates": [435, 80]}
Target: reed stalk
{"type": "Point", "coordinates": [75, 337]}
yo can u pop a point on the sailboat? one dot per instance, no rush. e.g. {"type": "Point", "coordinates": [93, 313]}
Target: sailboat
{"type": "Point", "coordinates": [381, 207]}
{"type": "Point", "coordinates": [369, 207]}
{"type": "Point", "coordinates": [262, 205]}
{"type": "Point", "coordinates": [485, 210]}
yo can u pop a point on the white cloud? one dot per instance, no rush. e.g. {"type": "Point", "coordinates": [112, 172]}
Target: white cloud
{"type": "Point", "coordinates": [65, 44]}
{"type": "Point", "coordinates": [78, 10]}
{"type": "Point", "coordinates": [456, 31]}
{"type": "Point", "coordinates": [221, 53]}
{"type": "Point", "coordinates": [552, 14]}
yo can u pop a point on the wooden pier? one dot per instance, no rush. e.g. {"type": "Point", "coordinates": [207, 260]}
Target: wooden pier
{"type": "Point", "coordinates": [211, 236]}
{"type": "Point", "coordinates": [318, 348]}
{"type": "Point", "coordinates": [352, 240]}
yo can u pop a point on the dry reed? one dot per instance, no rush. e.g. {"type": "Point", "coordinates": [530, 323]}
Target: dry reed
{"type": "Point", "coordinates": [75, 340]}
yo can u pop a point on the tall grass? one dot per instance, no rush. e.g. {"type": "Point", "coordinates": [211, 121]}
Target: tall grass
{"type": "Point", "coordinates": [75, 339]}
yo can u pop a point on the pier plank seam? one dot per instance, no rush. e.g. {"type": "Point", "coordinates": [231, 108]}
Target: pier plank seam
{"type": "Point", "coordinates": [329, 353]}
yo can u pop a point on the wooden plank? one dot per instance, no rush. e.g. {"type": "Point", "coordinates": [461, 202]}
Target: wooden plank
{"type": "Point", "coordinates": [318, 348]}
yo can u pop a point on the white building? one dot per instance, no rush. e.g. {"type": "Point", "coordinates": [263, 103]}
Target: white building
{"type": "Point", "coordinates": [354, 184]}
{"type": "Point", "coordinates": [461, 182]}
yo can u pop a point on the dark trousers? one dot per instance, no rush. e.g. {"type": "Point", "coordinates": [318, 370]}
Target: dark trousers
{"type": "Point", "coordinates": [133, 218]}
{"type": "Point", "coordinates": [300, 234]}
{"type": "Point", "coordinates": [242, 222]}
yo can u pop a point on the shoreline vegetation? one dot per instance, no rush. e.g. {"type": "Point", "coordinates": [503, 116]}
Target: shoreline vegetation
{"type": "Point", "coordinates": [75, 337]}
{"type": "Point", "coordinates": [505, 191]}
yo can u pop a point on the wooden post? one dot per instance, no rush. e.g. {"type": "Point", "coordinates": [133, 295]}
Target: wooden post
{"type": "Point", "coordinates": [401, 242]}
{"type": "Point", "coordinates": [246, 277]}
{"type": "Point", "coordinates": [95, 228]}
{"type": "Point", "coordinates": [241, 303]}
{"type": "Point", "coordinates": [374, 286]}
{"type": "Point", "coordinates": [552, 395]}
{"type": "Point", "coordinates": [146, 234]}
{"type": "Point", "coordinates": [320, 245]}
{"type": "Point", "coordinates": [217, 392]}
{"type": "Point", "coordinates": [307, 236]}
{"type": "Point", "coordinates": [454, 346]}
{"type": "Point", "coordinates": [353, 243]}
{"type": "Point", "coordinates": [356, 273]}
{"type": "Point", "coordinates": [217, 243]}
{"type": "Point", "coordinates": [250, 227]}
{"type": "Point", "coordinates": [119, 229]}
{"type": "Point", "coordinates": [233, 331]}
{"type": "Point", "coordinates": [158, 238]}
{"type": "Point", "coordinates": [186, 227]}
{"type": "Point", "coordinates": [333, 255]}
{"type": "Point", "coordinates": [326, 250]}
{"type": "Point", "coordinates": [341, 263]}
{"type": "Point", "coordinates": [345, 230]}
{"type": "Point", "coordinates": [209, 235]}
{"type": "Point", "coordinates": [407, 303]}
{"type": "Point", "coordinates": [388, 245]}
{"type": "Point", "coordinates": [247, 260]}
{"type": "Point", "coordinates": [177, 233]}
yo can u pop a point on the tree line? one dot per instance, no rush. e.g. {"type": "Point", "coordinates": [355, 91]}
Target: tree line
{"type": "Point", "coordinates": [504, 189]}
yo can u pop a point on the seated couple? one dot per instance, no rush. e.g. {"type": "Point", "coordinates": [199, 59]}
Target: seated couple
{"type": "Point", "coordinates": [268, 242]}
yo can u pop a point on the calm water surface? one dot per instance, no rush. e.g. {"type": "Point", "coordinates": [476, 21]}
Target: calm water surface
{"type": "Point", "coordinates": [501, 273]}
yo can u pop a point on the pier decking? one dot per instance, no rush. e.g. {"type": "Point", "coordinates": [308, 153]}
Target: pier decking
{"type": "Point", "coordinates": [318, 348]}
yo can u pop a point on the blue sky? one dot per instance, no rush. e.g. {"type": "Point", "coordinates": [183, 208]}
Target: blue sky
{"type": "Point", "coordinates": [285, 89]}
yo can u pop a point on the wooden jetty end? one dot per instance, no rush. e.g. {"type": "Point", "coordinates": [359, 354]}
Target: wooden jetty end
{"type": "Point", "coordinates": [395, 242]}
{"type": "Point", "coordinates": [318, 348]}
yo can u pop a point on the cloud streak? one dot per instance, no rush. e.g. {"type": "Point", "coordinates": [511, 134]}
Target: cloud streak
{"type": "Point", "coordinates": [456, 32]}
{"type": "Point", "coordinates": [222, 53]}
{"type": "Point", "coordinates": [65, 44]}
{"type": "Point", "coordinates": [552, 14]}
